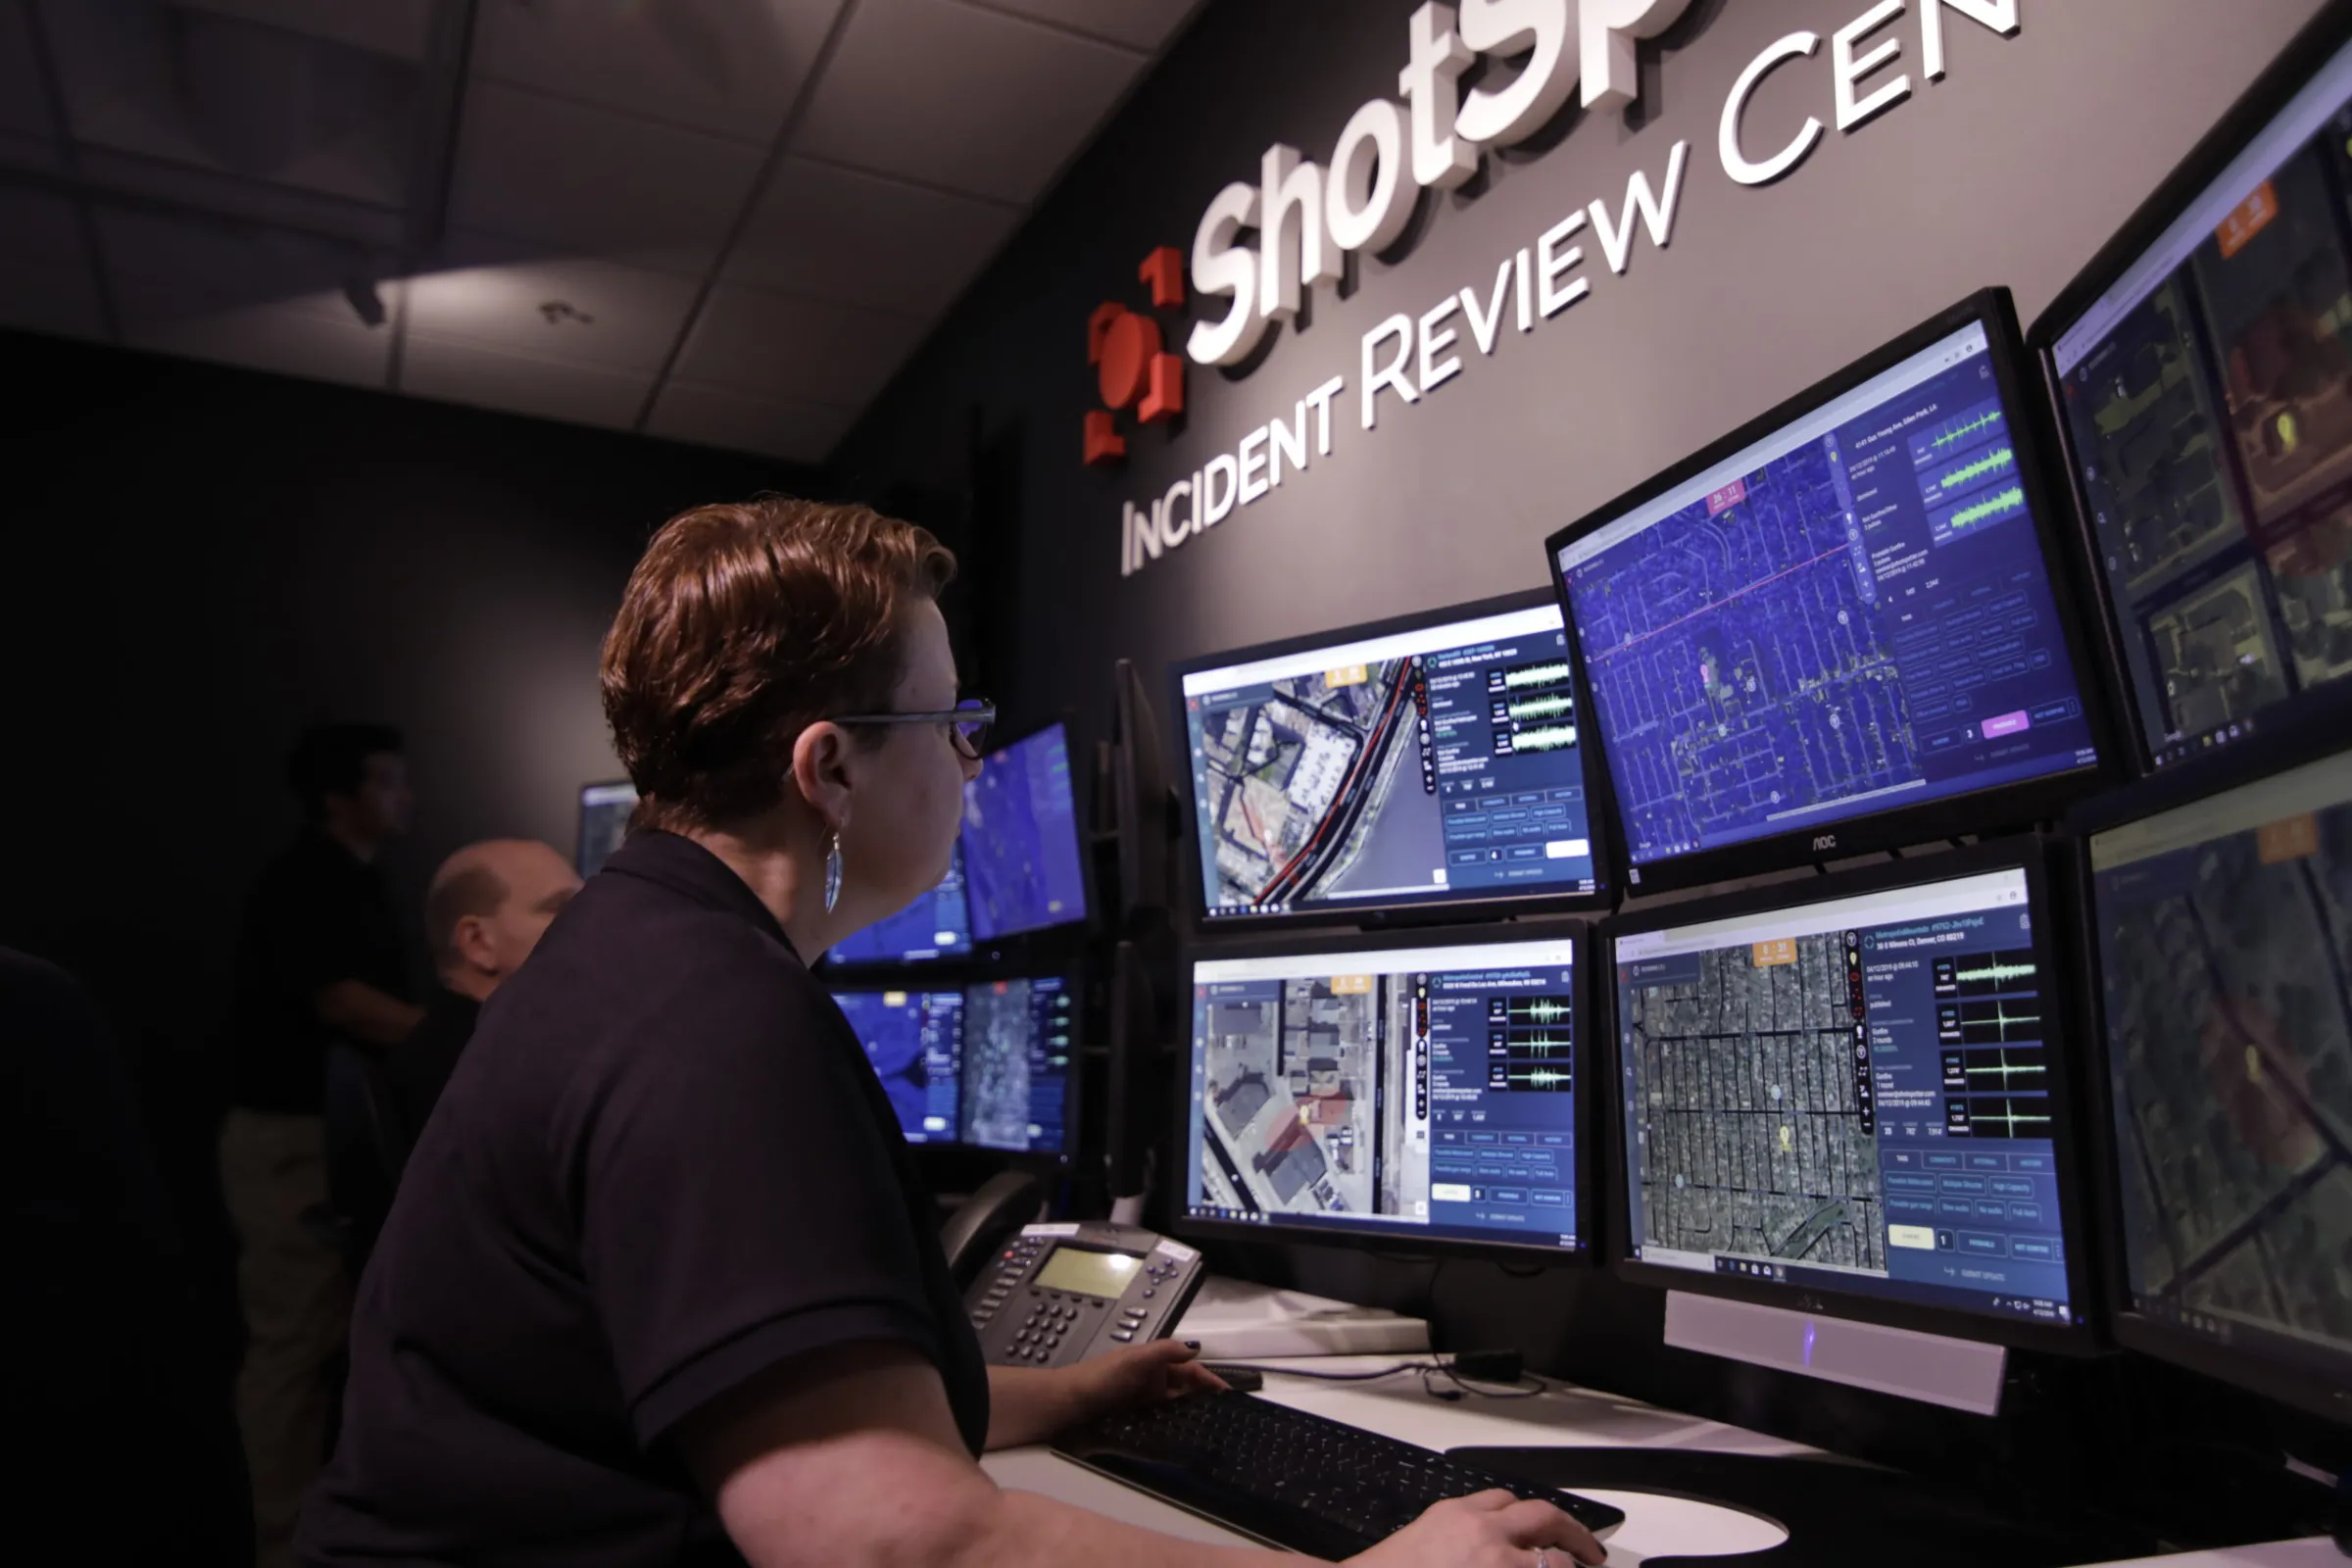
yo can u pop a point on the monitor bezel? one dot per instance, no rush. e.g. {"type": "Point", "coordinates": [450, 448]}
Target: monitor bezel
{"type": "Point", "coordinates": [2321, 39]}
{"type": "Point", "coordinates": [1080, 829]}
{"type": "Point", "coordinates": [960, 975]}
{"type": "Point", "coordinates": [1402, 1239]}
{"type": "Point", "coordinates": [2080, 1337]}
{"type": "Point", "coordinates": [579, 832]}
{"type": "Point", "coordinates": [1997, 808]}
{"type": "Point", "coordinates": [973, 954]}
{"type": "Point", "coordinates": [1450, 905]}
{"type": "Point", "coordinates": [2319, 731]}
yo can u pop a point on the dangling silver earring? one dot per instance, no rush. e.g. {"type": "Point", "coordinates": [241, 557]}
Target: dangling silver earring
{"type": "Point", "coordinates": [832, 871]}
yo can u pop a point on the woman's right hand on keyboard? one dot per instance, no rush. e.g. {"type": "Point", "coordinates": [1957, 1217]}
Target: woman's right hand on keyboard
{"type": "Point", "coordinates": [1486, 1529]}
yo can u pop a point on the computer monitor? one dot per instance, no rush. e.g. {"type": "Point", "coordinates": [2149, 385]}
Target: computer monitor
{"type": "Point", "coordinates": [1421, 762]}
{"type": "Point", "coordinates": [915, 1040]}
{"type": "Point", "coordinates": [1850, 1097]}
{"type": "Point", "coordinates": [1818, 635]}
{"type": "Point", "coordinates": [2204, 366]}
{"type": "Point", "coordinates": [1020, 1065]}
{"type": "Point", "coordinates": [1024, 866]}
{"type": "Point", "coordinates": [2220, 914]}
{"type": "Point", "coordinates": [934, 926]}
{"type": "Point", "coordinates": [605, 810]}
{"type": "Point", "coordinates": [1412, 1090]}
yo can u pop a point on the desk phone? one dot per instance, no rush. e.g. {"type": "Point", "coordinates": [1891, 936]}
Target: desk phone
{"type": "Point", "coordinates": [1061, 1292]}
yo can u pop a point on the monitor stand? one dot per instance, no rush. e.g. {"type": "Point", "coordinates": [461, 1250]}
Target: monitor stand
{"type": "Point", "coordinates": [1958, 1374]}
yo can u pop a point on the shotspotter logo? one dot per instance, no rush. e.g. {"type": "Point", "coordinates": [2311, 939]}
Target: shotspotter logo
{"type": "Point", "coordinates": [1132, 366]}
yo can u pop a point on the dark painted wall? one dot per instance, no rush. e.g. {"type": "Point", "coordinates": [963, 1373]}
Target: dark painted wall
{"type": "Point", "coordinates": [2013, 169]}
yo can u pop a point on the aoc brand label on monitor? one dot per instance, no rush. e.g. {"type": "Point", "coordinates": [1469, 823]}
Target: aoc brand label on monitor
{"type": "Point", "coordinates": [1264, 243]}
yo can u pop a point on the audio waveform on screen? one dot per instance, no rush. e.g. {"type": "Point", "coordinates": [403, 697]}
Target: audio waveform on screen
{"type": "Point", "coordinates": [1542, 706]}
{"type": "Point", "coordinates": [1537, 1010]}
{"type": "Point", "coordinates": [1537, 1078]}
{"type": "Point", "coordinates": [1995, 971]}
{"type": "Point", "coordinates": [1992, 463]}
{"type": "Point", "coordinates": [1551, 675]}
{"type": "Point", "coordinates": [1959, 433]}
{"type": "Point", "coordinates": [2006, 504]}
{"type": "Point", "coordinates": [1553, 738]}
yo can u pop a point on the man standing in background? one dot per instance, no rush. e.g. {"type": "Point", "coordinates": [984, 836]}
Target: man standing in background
{"type": "Point", "coordinates": [487, 908]}
{"type": "Point", "coordinates": [319, 960]}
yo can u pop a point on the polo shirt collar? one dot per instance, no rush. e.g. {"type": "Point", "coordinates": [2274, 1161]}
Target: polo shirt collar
{"type": "Point", "coordinates": [683, 867]}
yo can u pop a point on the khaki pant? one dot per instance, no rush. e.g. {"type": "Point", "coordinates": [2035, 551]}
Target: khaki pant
{"type": "Point", "coordinates": [296, 1302]}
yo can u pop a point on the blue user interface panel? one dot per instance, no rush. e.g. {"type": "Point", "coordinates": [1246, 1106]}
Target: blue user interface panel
{"type": "Point", "coordinates": [915, 1040]}
{"type": "Point", "coordinates": [2208, 395]}
{"type": "Point", "coordinates": [1416, 1092]}
{"type": "Point", "coordinates": [1851, 615]}
{"type": "Point", "coordinates": [1022, 863]}
{"type": "Point", "coordinates": [1020, 1037]}
{"type": "Point", "coordinates": [1850, 1095]}
{"type": "Point", "coordinates": [1414, 767]}
{"type": "Point", "coordinates": [2224, 933]}
{"type": "Point", "coordinates": [933, 926]}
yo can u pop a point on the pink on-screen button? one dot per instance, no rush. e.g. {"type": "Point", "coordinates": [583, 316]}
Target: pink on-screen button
{"type": "Point", "coordinates": [2006, 724]}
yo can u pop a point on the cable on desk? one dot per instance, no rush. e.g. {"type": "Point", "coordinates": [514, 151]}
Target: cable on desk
{"type": "Point", "coordinates": [1429, 1370]}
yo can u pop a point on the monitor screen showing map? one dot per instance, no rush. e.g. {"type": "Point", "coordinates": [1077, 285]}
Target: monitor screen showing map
{"type": "Point", "coordinates": [1854, 1096]}
{"type": "Point", "coordinates": [2208, 401]}
{"type": "Point", "coordinates": [1411, 1094]}
{"type": "Point", "coordinates": [914, 1040]}
{"type": "Point", "coordinates": [2224, 939]}
{"type": "Point", "coordinates": [1023, 861]}
{"type": "Point", "coordinates": [1019, 1041]}
{"type": "Point", "coordinates": [604, 812]}
{"type": "Point", "coordinates": [1850, 616]}
{"type": "Point", "coordinates": [1431, 766]}
{"type": "Point", "coordinates": [934, 926]}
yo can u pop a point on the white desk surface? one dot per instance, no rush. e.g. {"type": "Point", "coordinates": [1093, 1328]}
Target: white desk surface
{"type": "Point", "coordinates": [1653, 1526]}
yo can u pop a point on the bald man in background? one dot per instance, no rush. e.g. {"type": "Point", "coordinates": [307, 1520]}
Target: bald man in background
{"type": "Point", "coordinates": [487, 908]}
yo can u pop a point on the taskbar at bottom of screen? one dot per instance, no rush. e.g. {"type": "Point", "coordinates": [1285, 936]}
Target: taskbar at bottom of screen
{"type": "Point", "coordinates": [1860, 1284]}
{"type": "Point", "coordinates": [1386, 1229]}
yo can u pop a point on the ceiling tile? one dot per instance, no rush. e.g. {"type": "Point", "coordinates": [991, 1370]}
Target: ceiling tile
{"type": "Point", "coordinates": [712, 416]}
{"type": "Point", "coordinates": [535, 167]}
{"type": "Point", "coordinates": [496, 295]}
{"type": "Point", "coordinates": [402, 29]}
{"type": "Point", "coordinates": [801, 350]}
{"type": "Point", "coordinates": [304, 338]}
{"type": "Point", "coordinates": [24, 108]}
{"type": "Point", "coordinates": [1137, 24]}
{"type": "Point", "coordinates": [458, 371]}
{"type": "Point", "coordinates": [191, 268]}
{"type": "Point", "coordinates": [37, 296]}
{"type": "Point", "coordinates": [38, 226]}
{"type": "Point", "coordinates": [844, 235]}
{"type": "Point", "coordinates": [728, 66]}
{"type": "Point", "coordinates": [968, 99]}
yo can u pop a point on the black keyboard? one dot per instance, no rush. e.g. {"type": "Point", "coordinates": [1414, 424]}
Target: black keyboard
{"type": "Point", "coordinates": [1291, 1480]}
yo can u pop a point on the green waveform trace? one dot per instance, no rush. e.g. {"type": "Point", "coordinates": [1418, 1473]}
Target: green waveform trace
{"type": "Point", "coordinates": [1537, 675]}
{"type": "Point", "coordinates": [2000, 506]}
{"type": "Point", "coordinates": [2006, 1073]}
{"type": "Point", "coordinates": [1540, 1077]}
{"type": "Point", "coordinates": [1985, 423]}
{"type": "Point", "coordinates": [1551, 739]}
{"type": "Point", "coordinates": [1995, 972]}
{"type": "Point", "coordinates": [1542, 706]}
{"type": "Point", "coordinates": [1543, 1009]}
{"type": "Point", "coordinates": [1994, 464]}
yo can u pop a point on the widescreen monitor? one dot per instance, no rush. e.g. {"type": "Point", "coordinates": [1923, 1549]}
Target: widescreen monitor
{"type": "Point", "coordinates": [2223, 927]}
{"type": "Point", "coordinates": [934, 926]}
{"type": "Point", "coordinates": [1818, 635]}
{"type": "Point", "coordinates": [1856, 1102]}
{"type": "Point", "coordinates": [1024, 866]}
{"type": "Point", "coordinates": [1416, 1092]}
{"type": "Point", "coordinates": [2204, 364]}
{"type": "Point", "coordinates": [1424, 762]}
{"type": "Point", "coordinates": [605, 811]}
{"type": "Point", "coordinates": [1020, 1057]}
{"type": "Point", "coordinates": [914, 1040]}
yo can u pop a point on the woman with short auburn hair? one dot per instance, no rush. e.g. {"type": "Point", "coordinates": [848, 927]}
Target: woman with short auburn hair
{"type": "Point", "coordinates": [661, 1285]}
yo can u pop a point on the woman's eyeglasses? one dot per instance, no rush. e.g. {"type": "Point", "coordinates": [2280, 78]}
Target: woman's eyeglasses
{"type": "Point", "coordinates": [967, 723]}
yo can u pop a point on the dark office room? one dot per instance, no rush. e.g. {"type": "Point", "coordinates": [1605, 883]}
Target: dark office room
{"type": "Point", "coordinates": [1498, 784]}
